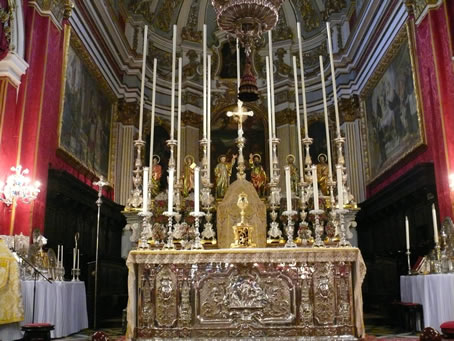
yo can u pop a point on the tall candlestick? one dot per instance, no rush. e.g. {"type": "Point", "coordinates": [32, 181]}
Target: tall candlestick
{"type": "Point", "coordinates": [325, 109]}
{"type": "Point", "coordinates": [58, 255]}
{"type": "Point", "coordinates": [288, 189]}
{"type": "Point", "coordinates": [145, 190]}
{"type": "Point", "coordinates": [74, 258]}
{"type": "Point", "coordinates": [270, 125]}
{"type": "Point", "coordinates": [196, 189]}
{"type": "Point", "coordinates": [170, 199]}
{"type": "Point", "coordinates": [303, 85]}
{"type": "Point", "coordinates": [407, 232]}
{"type": "Point", "coordinates": [204, 42]}
{"type": "Point", "coordinates": [172, 95]}
{"type": "Point", "coordinates": [435, 225]}
{"type": "Point", "coordinates": [153, 105]}
{"type": "Point", "coordinates": [78, 258]}
{"type": "Point", "coordinates": [61, 255]}
{"type": "Point", "coordinates": [142, 84]}
{"type": "Point", "coordinates": [209, 119]}
{"type": "Point", "coordinates": [333, 78]}
{"type": "Point", "coordinates": [273, 113]}
{"type": "Point", "coordinates": [238, 66]}
{"type": "Point", "coordinates": [340, 187]}
{"type": "Point", "coordinates": [180, 72]}
{"type": "Point", "coordinates": [298, 119]}
{"type": "Point", "coordinates": [315, 187]}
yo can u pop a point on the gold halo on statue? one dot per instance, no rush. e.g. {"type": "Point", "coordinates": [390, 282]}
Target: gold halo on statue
{"type": "Point", "coordinates": [157, 157]}
{"type": "Point", "coordinates": [219, 157]}
{"type": "Point", "coordinates": [322, 154]}
{"type": "Point", "coordinates": [258, 155]}
{"type": "Point", "coordinates": [289, 156]}
{"type": "Point", "coordinates": [189, 157]}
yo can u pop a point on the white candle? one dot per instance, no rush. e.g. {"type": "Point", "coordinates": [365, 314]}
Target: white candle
{"type": "Point", "coordinates": [74, 258]}
{"type": "Point", "coordinates": [153, 98]}
{"type": "Point", "coordinates": [78, 258]}
{"type": "Point", "coordinates": [298, 120]}
{"type": "Point", "coordinates": [180, 78]}
{"type": "Point", "coordinates": [270, 128]}
{"type": "Point", "coordinates": [142, 84]}
{"type": "Point", "coordinates": [435, 225]}
{"type": "Point", "coordinates": [340, 187]}
{"type": "Point", "coordinates": [288, 189]}
{"type": "Point", "coordinates": [315, 186]}
{"type": "Point", "coordinates": [172, 96]}
{"type": "Point", "coordinates": [273, 113]}
{"type": "Point", "coordinates": [196, 189]}
{"type": "Point", "coordinates": [204, 42]}
{"type": "Point", "coordinates": [209, 118]}
{"type": "Point", "coordinates": [407, 232]}
{"type": "Point", "coordinates": [170, 199]}
{"type": "Point", "coordinates": [325, 109]}
{"type": "Point", "coordinates": [333, 77]}
{"type": "Point", "coordinates": [145, 190]}
{"type": "Point", "coordinates": [238, 65]}
{"type": "Point", "coordinates": [303, 86]}
{"type": "Point", "coordinates": [58, 255]}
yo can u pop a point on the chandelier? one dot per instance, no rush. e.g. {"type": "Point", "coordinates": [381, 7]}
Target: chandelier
{"type": "Point", "coordinates": [18, 187]}
{"type": "Point", "coordinates": [247, 19]}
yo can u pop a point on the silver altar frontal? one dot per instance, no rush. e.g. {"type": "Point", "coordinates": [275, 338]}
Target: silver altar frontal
{"type": "Point", "coordinates": [296, 293]}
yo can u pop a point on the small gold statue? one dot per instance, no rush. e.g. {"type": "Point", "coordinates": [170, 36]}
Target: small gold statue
{"type": "Point", "coordinates": [242, 232]}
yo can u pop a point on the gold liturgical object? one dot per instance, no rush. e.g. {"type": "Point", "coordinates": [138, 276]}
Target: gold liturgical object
{"type": "Point", "coordinates": [242, 232]}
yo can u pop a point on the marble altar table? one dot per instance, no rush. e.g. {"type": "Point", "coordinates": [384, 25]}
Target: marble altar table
{"type": "Point", "coordinates": [253, 292]}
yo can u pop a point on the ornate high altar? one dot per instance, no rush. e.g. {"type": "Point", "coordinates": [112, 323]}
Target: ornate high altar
{"type": "Point", "coordinates": [243, 289]}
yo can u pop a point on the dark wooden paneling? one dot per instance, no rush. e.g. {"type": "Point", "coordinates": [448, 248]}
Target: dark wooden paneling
{"type": "Point", "coordinates": [381, 233]}
{"type": "Point", "coordinates": [70, 208]}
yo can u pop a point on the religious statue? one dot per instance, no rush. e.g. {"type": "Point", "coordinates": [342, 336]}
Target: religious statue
{"type": "Point", "coordinates": [222, 174]}
{"type": "Point", "coordinates": [294, 176]}
{"type": "Point", "coordinates": [188, 175]}
{"type": "Point", "coordinates": [323, 174]}
{"type": "Point", "coordinates": [156, 173]}
{"type": "Point", "coordinates": [258, 175]}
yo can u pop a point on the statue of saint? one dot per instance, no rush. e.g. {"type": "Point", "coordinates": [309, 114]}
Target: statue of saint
{"type": "Point", "coordinates": [156, 173]}
{"type": "Point", "coordinates": [222, 174]}
{"type": "Point", "coordinates": [188, 175]}
{"type": "Point", "coordinates": [258, 175]}
{"type": "Point", "coordinates": [323, 174]}
{"type": "Point", "coordinates": [294, 176]}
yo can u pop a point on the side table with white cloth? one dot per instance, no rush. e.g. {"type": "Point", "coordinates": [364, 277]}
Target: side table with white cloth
{"type": "Point", "coordinates": [62, 304]}
{"type": "Point", "coordinates": [436, 294]}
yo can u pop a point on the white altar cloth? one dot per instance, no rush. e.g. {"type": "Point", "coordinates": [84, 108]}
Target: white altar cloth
{"type": "Point", "coordinates": [434, 292]}
{"type": "Point", "coordinates": [62, 304]}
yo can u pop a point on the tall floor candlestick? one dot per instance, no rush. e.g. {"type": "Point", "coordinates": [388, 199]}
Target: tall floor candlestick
{"type": "Point", "coordinates": [270, 125]}
{"type": "Point", "coordinates": [315, 186]}
{"type": "Point", "coordinates": [209, 118]}
{"type": "Point", "coordinates": [172, 95]}
{"type": "Point", "coordinates": [145, 190]}
{"type": "Point", "coordinates": [333, 78]}
{"type": "Point", "coordinates": [273, 113]}
{"type": "Point", "coordinates": [325, 109]}
{"type": "Point", "coordinates": [238, 67]}
{"type": "Point", "coordinates": [180, 72]}
{"type": "Point", "coordinates": [303, 85]}
{"type": "Point", "coordinates": [153, 105]}
{"type": "Point", "coordinates": [204, 42]}
{"type": "Point", "coordinates": [298, 119]}
{"type": "Point", "coordinates": [142, 84]}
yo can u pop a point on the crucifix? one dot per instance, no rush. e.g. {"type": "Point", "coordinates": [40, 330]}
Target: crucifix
{"type": "Point", "coordinates": [240, 115]}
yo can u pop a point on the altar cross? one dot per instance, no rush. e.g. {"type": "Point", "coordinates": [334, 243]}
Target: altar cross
{"type": "Point", "coordinates": [241, 114]}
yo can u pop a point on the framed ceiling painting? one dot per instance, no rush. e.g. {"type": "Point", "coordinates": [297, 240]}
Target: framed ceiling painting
{"type": "Point", "coordinates": [87, 105]}
{"type": "Point", "coordinates": [391, 108]}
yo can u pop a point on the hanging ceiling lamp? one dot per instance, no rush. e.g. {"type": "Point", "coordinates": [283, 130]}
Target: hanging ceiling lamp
{"type": "Point", "coordinates": [248, 91]}
{"type": "Point", "coordinates": [247, 19]}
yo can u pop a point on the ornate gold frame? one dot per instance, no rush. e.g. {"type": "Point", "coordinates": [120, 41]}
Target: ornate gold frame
{"type": "Point", "coordinates": [405, 35]}
{"type": "Point", "coordinates": [74, 41]}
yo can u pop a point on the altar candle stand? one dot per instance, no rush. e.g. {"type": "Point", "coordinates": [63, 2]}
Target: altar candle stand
{"type": "Point", "coordinates": [318, 230]}
{"type": "Point", "coordinates": [341, 211]}
{"type": "Point", "coordinates": [407, 238]}
{"type": "Point", "coordinates": [197, 214]}
{"type": "Point", "coordinates": [145, 214]}
{"type": "Point", "coordinates": [437, 244]}
{"type": "Point", "coordinates": [170, 213]}
{"type": "Point", "coordinates": [289, 212]}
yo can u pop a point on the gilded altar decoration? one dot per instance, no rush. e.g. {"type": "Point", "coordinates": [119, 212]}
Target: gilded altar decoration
{"type": "Point", "coordinates": [242, 232]}
{"type": "Point", "coordinates": [245, 293]}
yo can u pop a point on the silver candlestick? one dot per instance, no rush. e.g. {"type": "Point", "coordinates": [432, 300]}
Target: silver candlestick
{"type": "Point", "coordinates": [342, 241]}
{"type": "Point", "coordinates": [318, 228]}
{"type": "Point", "coordinates": [408, 261]}
{"type": "Point", "coordinates": [135, 200]}
{"type": "Point", "coordinates": [197, 244]}
{"type": "Point", "coordinates": [208, 232]}
{"type": "Point", "coordinates": [169, 245]}
{"type": "Point", "coordinates": [290, 228]}
{"type": "Point", "coordinates": [146, 230]}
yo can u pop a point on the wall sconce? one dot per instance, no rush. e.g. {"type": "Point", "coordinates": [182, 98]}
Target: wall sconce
{"type": "Point", "coordinates": [18, 187]}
